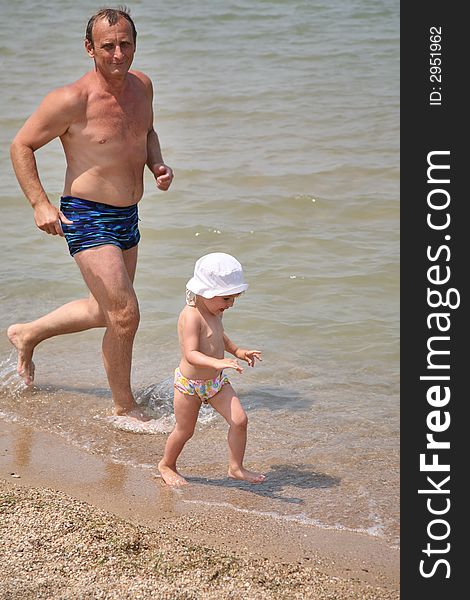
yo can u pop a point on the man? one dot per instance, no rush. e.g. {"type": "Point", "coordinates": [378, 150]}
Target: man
{"type": "Point", "coordinates": [105, 123]}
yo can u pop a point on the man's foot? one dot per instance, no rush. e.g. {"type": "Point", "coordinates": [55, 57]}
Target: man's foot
{"type": "Point", "coordinates": [25, 368]}
{"type": "Point", "coordinates": [171, 476]}
{"type": "Point", "coordinates": [133, 413]}
{"type": "Point", "coordinates": [246, 475]}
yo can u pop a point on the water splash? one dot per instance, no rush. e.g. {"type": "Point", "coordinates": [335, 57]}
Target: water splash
{"type": "Point", "coordinates": [157, 399]}
{"type": "Point", "coordinates": [154, 426]}
{"type": "Point", "coordinates": [11, 383]}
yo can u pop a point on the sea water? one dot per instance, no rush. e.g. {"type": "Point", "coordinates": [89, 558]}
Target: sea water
{"type": "Point", "coordinates": [280, 120]}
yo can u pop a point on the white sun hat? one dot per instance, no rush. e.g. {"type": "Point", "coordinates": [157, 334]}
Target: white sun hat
{"type": "Point", "coordinates": [217, 274]}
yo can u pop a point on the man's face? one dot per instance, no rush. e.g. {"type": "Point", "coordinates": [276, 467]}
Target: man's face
{"type": "Point", "coordinates": [113, 47]}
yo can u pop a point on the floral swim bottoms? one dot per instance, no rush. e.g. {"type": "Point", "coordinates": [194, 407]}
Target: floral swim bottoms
{"type": "Point", "coordinates": [203, 388]}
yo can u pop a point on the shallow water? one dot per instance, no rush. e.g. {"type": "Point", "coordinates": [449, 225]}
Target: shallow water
{"type": "Point", "coordinates": [281, 122]}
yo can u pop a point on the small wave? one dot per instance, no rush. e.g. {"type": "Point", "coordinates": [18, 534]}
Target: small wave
{"type": "Point", "coordinates": [302, 519]}
{"type": "Point", "coordinates": [154, 426]}
{"type": "Point", "coordinates": [11, 383]}
{"type": "Point", "coordinates": [9, 417]}
{"type": "Point", "coordinates": [157, 399]}
{"type": "Point", "coordinates": [206, 414]}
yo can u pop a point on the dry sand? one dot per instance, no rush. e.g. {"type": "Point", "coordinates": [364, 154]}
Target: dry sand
{"type": "Point", "coordinates": [71, 529]}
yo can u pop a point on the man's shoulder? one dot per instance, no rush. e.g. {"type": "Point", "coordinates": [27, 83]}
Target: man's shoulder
{"type": "Point", "coordinates": [143, 80]}
{"type": "Point", "coordinates": [142, 76]}
{"type": "Point", "coordinates": [69, 96]}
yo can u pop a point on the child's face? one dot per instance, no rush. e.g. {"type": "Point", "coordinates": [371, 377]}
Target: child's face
{"type": "Point", "coordinates": [218, 304]}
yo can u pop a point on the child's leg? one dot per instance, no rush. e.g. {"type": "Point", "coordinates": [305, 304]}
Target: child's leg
{"type": "Point", "coordinates": [228, 405]}
{"type": "Point", "coordinates": [186, 412]}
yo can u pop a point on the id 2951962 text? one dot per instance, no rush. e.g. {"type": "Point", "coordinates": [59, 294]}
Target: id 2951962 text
{"type": "Point", "coordinates": [435, 66]}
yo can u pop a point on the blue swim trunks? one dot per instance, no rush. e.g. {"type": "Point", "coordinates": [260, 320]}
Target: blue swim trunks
{"type": "Point", "coordinates": [97, 224]}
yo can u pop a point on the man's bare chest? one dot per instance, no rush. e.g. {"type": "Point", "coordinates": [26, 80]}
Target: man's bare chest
{"type": "Point", "coordinates": [106, 121]}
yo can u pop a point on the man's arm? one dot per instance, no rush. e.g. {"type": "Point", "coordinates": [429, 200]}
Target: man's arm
{"type": "Point", "coordinates": [163, 173]}
{"type": "Point", "coordinates": [50, 120]}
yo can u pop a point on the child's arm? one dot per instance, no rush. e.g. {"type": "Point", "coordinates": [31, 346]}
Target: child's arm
{"type": "Point", "coordinates": [248, 356]}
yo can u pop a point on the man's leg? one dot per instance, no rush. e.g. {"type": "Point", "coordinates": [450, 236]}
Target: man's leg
{"type": "Point", "coordinates": [75, 316]}
{"type": "Point", "coordinates": [108, 273]}
{"type": "Point", "coordinates": [72, 317]}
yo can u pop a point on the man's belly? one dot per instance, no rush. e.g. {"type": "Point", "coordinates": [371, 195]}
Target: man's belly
{"type": "Point", "coordinates": [117, 184]}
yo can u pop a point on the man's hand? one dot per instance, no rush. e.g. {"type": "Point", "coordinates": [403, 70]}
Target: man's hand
{"type": "Point", "coordinates": [48, 218]}
{"type": "Point", "coordinates": [164, 177]}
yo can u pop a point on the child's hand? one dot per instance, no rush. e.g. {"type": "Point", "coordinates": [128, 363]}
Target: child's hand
{"type": "Point", "coordinates": [229, 363]}
{"type": "Point", "coordinates": [249, 356]}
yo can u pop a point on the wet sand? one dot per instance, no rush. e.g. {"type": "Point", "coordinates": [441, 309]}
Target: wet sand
{"type": "Point", "coordinates": [76, 525]}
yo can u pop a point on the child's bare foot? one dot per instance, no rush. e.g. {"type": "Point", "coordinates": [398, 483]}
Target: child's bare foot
{"type": "Point", "coordinates": [25, 367]}
{"type": "Point", "coordinates": [246, 475]}
{"type": "Point", "coordinates": [171, 476]}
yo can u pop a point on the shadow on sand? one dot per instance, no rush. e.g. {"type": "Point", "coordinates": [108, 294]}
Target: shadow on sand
{"type": "Point", "coordinates": [277, 479]}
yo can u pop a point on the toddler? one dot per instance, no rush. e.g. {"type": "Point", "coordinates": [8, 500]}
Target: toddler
{"type": "Point", "coordinates": [200, 378]}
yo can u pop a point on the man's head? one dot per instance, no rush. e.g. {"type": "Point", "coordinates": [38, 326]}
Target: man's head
{"type": "Point", "coordinates": [112, 16]}
{"type": "Point", "coordinates": [110, 41]}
